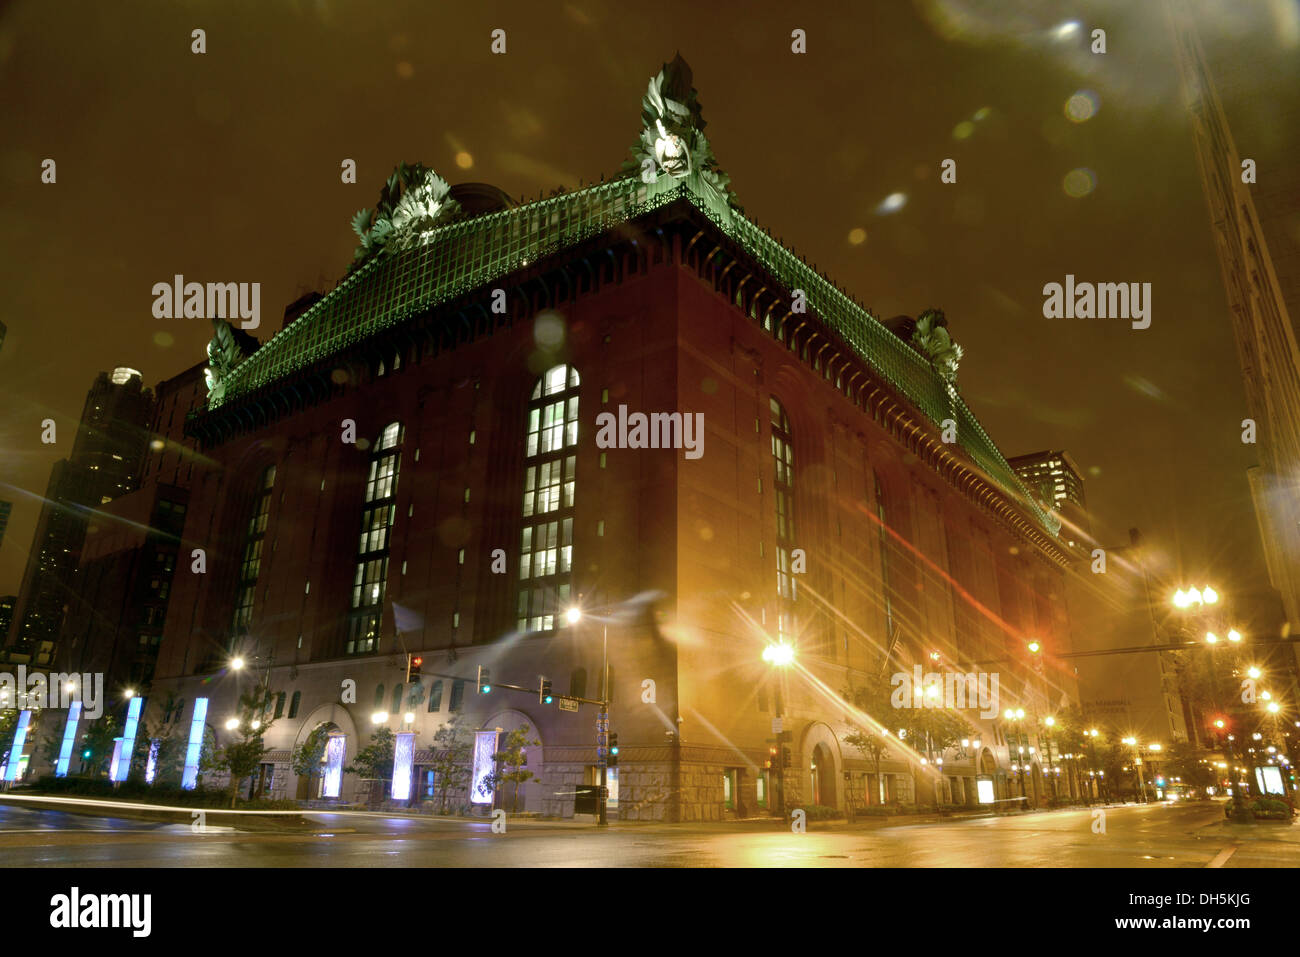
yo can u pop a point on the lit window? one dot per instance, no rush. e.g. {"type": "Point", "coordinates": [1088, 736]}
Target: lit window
{"type": "Point", "coordinates": [783, 491]}
{"type": "Point", "coordinates": [546, 540]}
{"type": "Point", "coordinates": [251, 565]}
{"type": "Point", "coordinates": [370, 580]}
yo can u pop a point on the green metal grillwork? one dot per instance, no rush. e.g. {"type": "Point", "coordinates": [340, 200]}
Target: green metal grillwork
{"type": "Point", "coordinates": [467, 255]}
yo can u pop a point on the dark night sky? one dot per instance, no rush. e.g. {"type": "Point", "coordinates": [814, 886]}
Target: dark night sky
{"type": "Point", "coordinates": [225, 167]}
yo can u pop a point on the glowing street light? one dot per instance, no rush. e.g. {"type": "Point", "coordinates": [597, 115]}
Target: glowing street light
{"type": "Point", "coordinates": [779, 654]}
{"type": "Point", "coordinates": [1034, 647]}
{"type": "Point", "coordinates": [1211, 638]}
{"type": "Point", "coordinates": [1253, 671]}
{"type": "Point", "coordinates": [409, 717]}
{"type": "Point", "coordinates": [573, 615]}
{"type": "Point", "coordinates": [1234, 635]}
{"type": "Point", "coordinates": [379, 717]}
{"type": "Point", "coordinates": [236, 664]}
{"type": "Point", "coordinates": [232, 724]}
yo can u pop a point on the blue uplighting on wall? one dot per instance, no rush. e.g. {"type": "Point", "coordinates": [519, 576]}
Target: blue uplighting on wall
{"type": "Point", "coordinates": [191, 776]}
{"type": "Point", "coordinates": [16, 752]}
{"type": "Point", "coordinates": [69, 739]}
{"type": "Point", "coordinates": [403, 762]}
{"type": "Point", "coordinates": [122, 756]}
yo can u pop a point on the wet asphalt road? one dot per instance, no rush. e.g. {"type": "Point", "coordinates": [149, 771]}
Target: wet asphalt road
{"type": "Point", "coordinates": [1135, 837]}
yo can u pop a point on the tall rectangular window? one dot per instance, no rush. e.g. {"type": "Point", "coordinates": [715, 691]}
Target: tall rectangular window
{"type": "Point", "coordinates": [251, 564]}
{"type": "Point", "coordinates": [783, 492]}
{"type": "Point", "coordinates": [370, 581]}
{"type": "Point", "coordinates": [546, 540]}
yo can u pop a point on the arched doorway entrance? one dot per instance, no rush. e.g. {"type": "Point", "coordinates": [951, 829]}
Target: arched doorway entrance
{"type": "Point", "coordinates": [514, 795]}
{"type": "Point", "coordinates": [822, 772]}
{"type": "Point", "coordinates": [311, 760]}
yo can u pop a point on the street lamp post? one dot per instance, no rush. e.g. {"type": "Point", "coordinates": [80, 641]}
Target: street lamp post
{"type": "Point", "coordinates": [1137, 761]}
{"type": "Point", "coordinates": [573, 616]}
{"type": "Point", "coordinates": [779, 656]}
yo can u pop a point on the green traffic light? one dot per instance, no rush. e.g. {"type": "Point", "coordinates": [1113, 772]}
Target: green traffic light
{"type": "Point", "coordinates": [485, 689]}
{"type": "Point", "coordinates": [85, 754]}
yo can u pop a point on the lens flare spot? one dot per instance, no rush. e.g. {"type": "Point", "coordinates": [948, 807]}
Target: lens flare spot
{"type": "Point", "coordinates": [891, 204]}
{"type": "Point", "coordinates": [163, 339]}
{"type": "Point", "coordinates": [464, 160]}
{"type": "Point", "coordinates": [548, 330]}
{"type": "Point", "coordinates": [1082, 106]}
{"type": "Point", "coordinates": [1064, 31]}
{"type": "Point", "coordinates": [963, 130]}
{"type": "Point", "coordinates": [405, 70]}
{"type": "Point", "coordinates": [1079, 182]}
{"type": "Point", "coordinates": [857, 236]}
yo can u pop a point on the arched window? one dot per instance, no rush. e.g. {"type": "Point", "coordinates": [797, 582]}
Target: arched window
{"type": "Point", "coordinates": [546, 545]}
{"type": "Point", "coordinates": [578, 683]}
{"type": "Point", "coordinates": [379, 696]}
{"type": "Point", "coordinates": [279, 704]}
{"type": "Point", "coordinates": [377, 516]}
{"type": "Point", "coordinates": [294, 702]}
{"type": "Point", "coordinates": [251, 565]}
{"type": "Point", "coordinates": [783, 492]}
{"type": "Point", "coordinates": [397, 699]}
{"type": "Point", "coordinates": [435, 697]}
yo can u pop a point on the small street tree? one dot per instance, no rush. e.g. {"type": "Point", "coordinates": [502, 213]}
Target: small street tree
{"type": "Point", "coordinates": [243, 758]}
{"type": "Point", "coordinates": [375, 761]}
{"type": "Point", "coordinates": [511, 763]}
{"type": "Point", "coordinates": [307, 757]}
{"type": "Point", "coordinates": [451, 759]}
{"type": "Point", "coordinates": [97, 744]}
{"type": "Point", "coordinates": [872, 746]}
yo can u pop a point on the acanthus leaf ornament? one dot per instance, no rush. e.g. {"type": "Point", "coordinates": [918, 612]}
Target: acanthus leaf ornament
{"type": "Point", "coordinates": [932, 340]}
{"type": "Point", "coordinates": [672, 138]}
{"type": "Point", "coordinates": [412, 203]}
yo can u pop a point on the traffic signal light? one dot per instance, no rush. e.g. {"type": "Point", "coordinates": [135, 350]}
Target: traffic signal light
{"type": "Point", "coordinates": [612, 760]}
{"type": "Point", "coordinates": [785, 758]}
{"type": "Point", "coordinates": [413, 665]}
{"type": "Point", "coordinates": [484, 680]}
{"type": "Point", "coordinates": [772, 759]}
{"type": "Point", "coordinates": [544, 696]}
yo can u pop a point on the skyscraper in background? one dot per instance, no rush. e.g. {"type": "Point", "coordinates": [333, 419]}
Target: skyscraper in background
{"type": "Point", "coordinates": [105, 463]}
{"type": "Point", "coordinates": [1255, 216]}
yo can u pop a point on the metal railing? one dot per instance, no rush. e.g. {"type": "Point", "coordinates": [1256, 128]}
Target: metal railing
{"type": "Point", "coordinates": [462, 256]}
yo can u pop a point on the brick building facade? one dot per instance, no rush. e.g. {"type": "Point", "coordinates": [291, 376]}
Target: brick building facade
{"type": "Point", "coordinates": [475, 505]}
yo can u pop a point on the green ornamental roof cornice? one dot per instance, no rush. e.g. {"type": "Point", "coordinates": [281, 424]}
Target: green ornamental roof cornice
{"type": "Point", "coordinates": [441, 258]}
